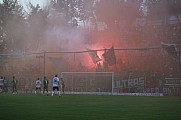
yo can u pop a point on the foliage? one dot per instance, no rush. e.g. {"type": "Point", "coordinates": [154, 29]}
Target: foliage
{"type": "Point", "coordinates": [70, 13]}
{"type": "Point", "coordinates": [11, 13]}
{"type": "Point", "coordinates": [74, 11]}
{"type": "Point", "coordinates": [36, 26]}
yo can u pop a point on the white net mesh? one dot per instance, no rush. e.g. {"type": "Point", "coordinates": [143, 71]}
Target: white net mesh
{"type": "Point", "coordinates": [88, 81]}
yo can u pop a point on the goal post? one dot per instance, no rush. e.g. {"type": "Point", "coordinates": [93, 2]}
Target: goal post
{"type": "Point", "coordinates": [90, 82]}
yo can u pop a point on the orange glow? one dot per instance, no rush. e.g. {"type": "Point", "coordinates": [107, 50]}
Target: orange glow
{"type": "Point", "coordinates": [99, 53]}
{"type": "Point", "coordinates": [99, 56]}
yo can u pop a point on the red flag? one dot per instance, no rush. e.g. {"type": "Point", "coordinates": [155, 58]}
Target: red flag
{"type": "Point", "coordinates": [93, 54]}
{"type": "Point", "coordinates": [109, 56]}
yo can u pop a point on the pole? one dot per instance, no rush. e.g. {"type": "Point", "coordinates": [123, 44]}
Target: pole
{"type": "Point", "coordinates": [112, 91]}
{"type": "Point", "coordinates": [179, 54]}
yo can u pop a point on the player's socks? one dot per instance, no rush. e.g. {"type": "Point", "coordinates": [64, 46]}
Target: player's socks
{"type": "Point", "coordinates": [35, 92]}
{"type": "Point", "coordinates": [58, 93]}
{"type": "Point", "coordinates": [52, 93]}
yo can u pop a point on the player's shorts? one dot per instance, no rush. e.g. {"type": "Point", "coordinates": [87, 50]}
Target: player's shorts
{"type": "Point", "coordinates": [38, 88]}
{"type": "Point", "coordinates": [55, 88]}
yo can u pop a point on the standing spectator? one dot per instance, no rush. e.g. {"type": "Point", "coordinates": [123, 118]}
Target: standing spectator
{"type": "Point", "coordinates": [14, 82]}
{"type": "Point", "coordinates": [56, 85]}
{"type": "Point", "coordinates": [38, 86]}
{"type": "Point", "coordinates": [45, 87]}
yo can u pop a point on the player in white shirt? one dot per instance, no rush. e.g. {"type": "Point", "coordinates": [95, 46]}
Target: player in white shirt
{"type": "Point", "coordinates": [56, 85]}
{"type": "Point", "coordinates": [38, 85]}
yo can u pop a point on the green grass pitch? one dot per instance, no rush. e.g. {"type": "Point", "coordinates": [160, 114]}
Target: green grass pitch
{"type": "Point", "coordinates": [88, 107]}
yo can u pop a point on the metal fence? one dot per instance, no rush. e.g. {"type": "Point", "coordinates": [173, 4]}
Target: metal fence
{"type": "Point", "coordinates": [27, 67]}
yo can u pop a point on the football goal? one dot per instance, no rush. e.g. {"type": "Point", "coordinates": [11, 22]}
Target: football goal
{"type": "Point", "coordinates": [88, 82]}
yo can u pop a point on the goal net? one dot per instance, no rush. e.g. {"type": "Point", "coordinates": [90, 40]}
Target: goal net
{"type": "Point", "coordinates": [88, 82]}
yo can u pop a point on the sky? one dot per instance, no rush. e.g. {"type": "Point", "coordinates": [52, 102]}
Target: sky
{"type": "Point", "coordinates": [42, 3]}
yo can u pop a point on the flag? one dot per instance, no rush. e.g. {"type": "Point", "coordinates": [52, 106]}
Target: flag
{"type": "Point", "coordinates": [93, 54]}
{"type": "Point", "coordinates": [173, 50]}
{"type": "Point", "coordinates": [109, 56]}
